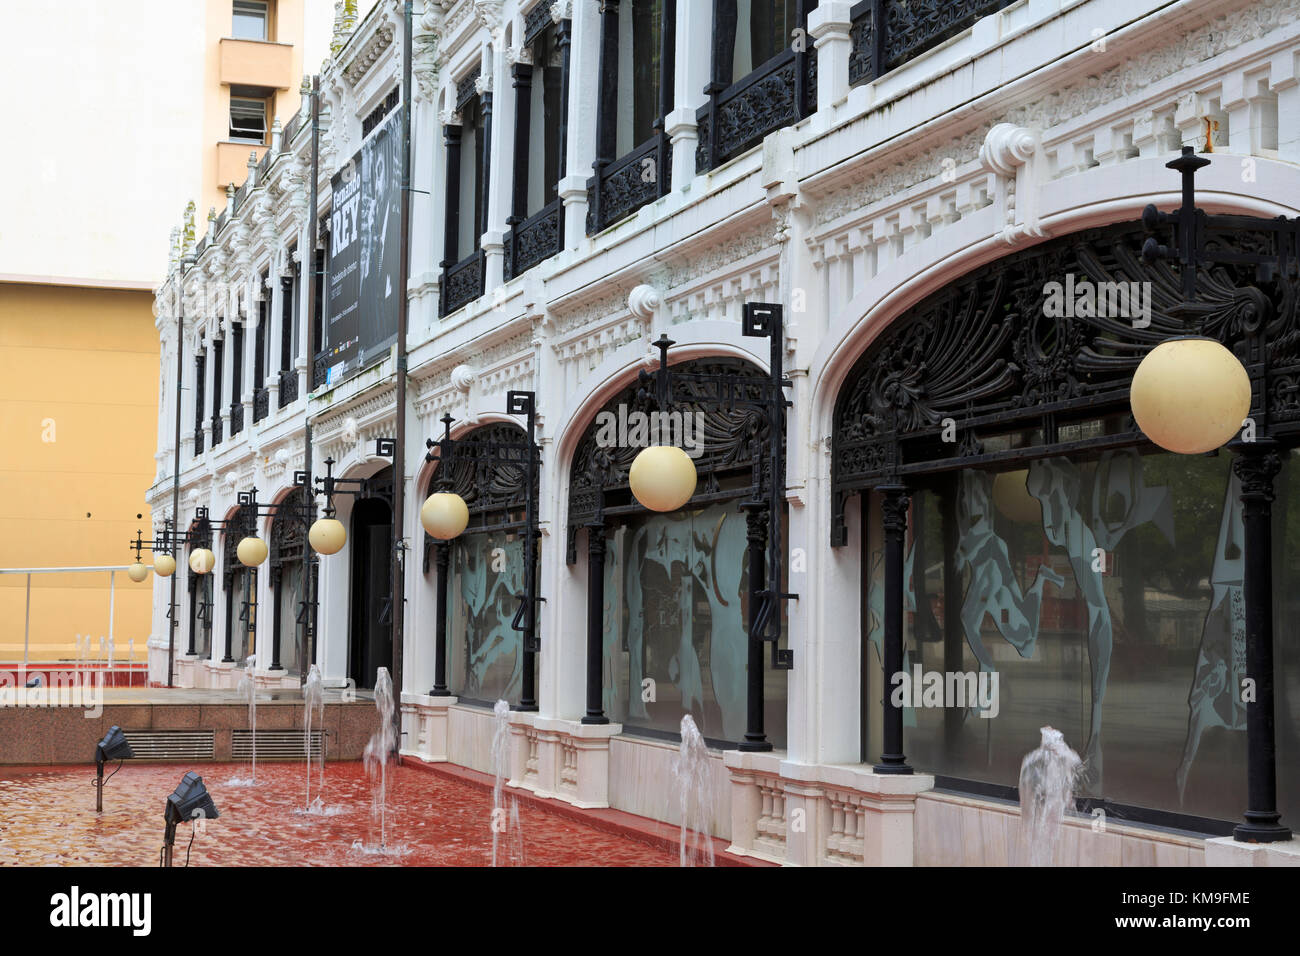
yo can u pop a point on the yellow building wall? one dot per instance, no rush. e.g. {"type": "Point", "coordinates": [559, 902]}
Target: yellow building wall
{"type": "Point", "coordinates": [78, 429]}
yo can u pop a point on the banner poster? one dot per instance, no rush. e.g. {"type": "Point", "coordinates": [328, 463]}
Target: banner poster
{"type": "Point", "coordinates": [365, 239]}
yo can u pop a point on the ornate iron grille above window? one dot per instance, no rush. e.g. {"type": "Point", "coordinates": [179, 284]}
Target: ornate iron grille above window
{"type": "Point", "coordinates": [776, 93]}
{"type": "Point", "coordinates": [493, 489]}
{"type": "Point", "coordinates": [910, 27]}
{"type": "Point", "coordinates": [983, 360]}
{"type": "Point", "coordinates": [730, 465]}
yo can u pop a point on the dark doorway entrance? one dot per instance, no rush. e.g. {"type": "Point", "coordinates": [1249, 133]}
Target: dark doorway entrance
{"type": "Point", "coordinates": [371, 633]}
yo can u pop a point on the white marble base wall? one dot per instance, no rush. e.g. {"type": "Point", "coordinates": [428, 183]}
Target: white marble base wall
{"type": "Point", "coordinates": [822, 814]}
{"type": "Point", "coordinates": [564, 759]}
{"type": "Point", "coordinates": [276, 680]}
{"type": "Point", "coordinates": [469, 737]}
{"type": "Point", "coordinates": [425, 721]}
{"type": "Point", "coordinates": [1225, 851]}
{"type": "Point", "coordinates": [953, 830]}
{"type": "Point", "coordinates": [641, 782]}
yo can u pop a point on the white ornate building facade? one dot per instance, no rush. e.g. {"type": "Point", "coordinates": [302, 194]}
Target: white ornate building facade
{"type": "Point", "coordinates": [871, 167]}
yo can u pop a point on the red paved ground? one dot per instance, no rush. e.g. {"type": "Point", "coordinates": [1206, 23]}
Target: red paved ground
{"type": "Point", "coordinates": [47, 817]}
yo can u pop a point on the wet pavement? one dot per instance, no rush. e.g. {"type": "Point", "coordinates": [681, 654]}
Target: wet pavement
{"type": "Point", "coordinates": [47, 818]}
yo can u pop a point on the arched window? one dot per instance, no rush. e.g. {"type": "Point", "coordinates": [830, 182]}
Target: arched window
{"type": "Point", "coordinates": [675, 602]}
{"type": "Point", "coordinates": [1055, 565]}
{"type": "Point", "coordinates": [484, 570]}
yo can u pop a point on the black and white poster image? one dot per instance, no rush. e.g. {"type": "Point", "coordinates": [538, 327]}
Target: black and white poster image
{"type": "Point", "coordinates": [381, 197]}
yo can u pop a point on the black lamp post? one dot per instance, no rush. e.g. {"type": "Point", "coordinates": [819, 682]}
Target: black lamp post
{"type": "Point", "coordinates": [1258, 456]}
{"type": "Point", "coordinates": [526, 455]}
{"type": "Point", "coordinates": [766, 397]}
{"type": "Point", "coordinates": [114, 746]}
{"type": "Point", "coordinates": [189, 801]}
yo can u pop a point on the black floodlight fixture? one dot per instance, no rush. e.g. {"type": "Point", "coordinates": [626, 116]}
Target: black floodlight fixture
{"type": "Point", "coordinates": [189, 801]}
{"type": "Point", "coordinates": [114, 746]}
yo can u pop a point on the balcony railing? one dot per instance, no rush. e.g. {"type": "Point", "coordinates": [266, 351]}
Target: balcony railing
{"type": "Point", "coordinates": [290, 130]}
{"type": "Point", "coordinates": [216, 430]}
{"type": "Point", "coordinates": [888, 33]}
{"type": "Point", "coordinates": [625, 185]}
{"type": "Point", "coordinates": [265, 163]}
{"type": "Point", "coordinates": [198, 440]}
{"type": "Point", "coordinates": [288, 386]}
{"type": "Point", "coordinates": [537, 238]}
{"type": "Point", "coordinates": [320, 370]}
{"type": "Point", "coordinates": [261, 403]}
{"type": "Point", "coordinates": [462, 283]}
{"type": "Point", "coordinates": [236, 418]}
{"type": "Point", "coordinates": [780, 92]}
{"type": "Point", "coordinates": [240, 195]}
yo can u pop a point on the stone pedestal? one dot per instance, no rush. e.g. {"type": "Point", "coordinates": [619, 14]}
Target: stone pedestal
{"type": "Point", "coordinates": [561, 759]}
{"type": "Point", "coordinates": [1225, 851]}
{"type": "Point", "coordinates": [822, 814]}
{"type": "Point", "coordinates": [424, 722]}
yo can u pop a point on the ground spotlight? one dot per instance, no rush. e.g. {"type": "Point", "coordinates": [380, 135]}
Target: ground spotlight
{"type": "Point", "coordinates": [114, 746]}
{"type": "Point", "coordinates": [189, 801]}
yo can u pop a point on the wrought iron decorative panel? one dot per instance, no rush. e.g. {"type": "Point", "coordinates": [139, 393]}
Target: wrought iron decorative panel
{"type": "Point", "coordinates": [463, 282]}
{"type": "Point", "coordinates": [985, 355]}
{"type": "Point", "coordinates": [288, 529]}
{"type": "Point", "coordinates": [534, 240]}
{"type": "Point", "coordinates": [631, 181]}
{"type": "Point", "coordinates": [261, 403]}
{"type": "Point", "coordinates": [466, 88]}
{"type": "Point", "coordinates": [236, 418]}
{"type": "Point", "coordinates": [537, 20]}
{"type": "Point", "coordinates": [288, 386]}
{"type": "Point", "coordinates": [216, 430]}
{"type": "Point", "coordinates": [747, 111]}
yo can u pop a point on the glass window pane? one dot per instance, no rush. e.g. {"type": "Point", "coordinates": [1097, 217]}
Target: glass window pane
{"type": "Point", "coordinates": [640, 24]}
{"type": "Point", "coordinates": [485, 653]}
{"type": "Point", "coordinates": [676, 612]}
{"type": "Point", "coordinates": [1106, 595]}
{"type": "Point", "coordinates": [249, 20]}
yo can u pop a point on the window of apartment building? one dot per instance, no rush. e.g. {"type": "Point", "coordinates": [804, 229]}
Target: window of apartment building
{"type": "Point", "coordinates": [469, 151]}
{"type": "Point", "coordinates": [236, 378]}
{"type": "Point", "coordinates": [247, 120]}
{"type": "Point", "coordinates": [635, 92]}
{"type": "Point", "coordinates": [541, 100]}
{"type": "Point", "coordinates": [200, 368]}
{"type": "Point", "coordinates": [759, 47]}
{"type": "Point", "coordinates": [262, 349]}
{"type": "Point", "coordinates": [251, 21]}
{"type": "Point", "coordinates": [218, 350]}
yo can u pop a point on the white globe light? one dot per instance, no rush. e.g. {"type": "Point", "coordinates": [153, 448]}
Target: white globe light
{"type": "Point", "coordinates": [444, 515]}
{"type": "Point", "coordinates": [327, 536]}
{"type": "Point", "coordinates": [137, 572]}
{"type": "Point", "coordinates": [202, 560]}
{"type": "Point", "coordinates": [164, 565]}
{"type": "Point", "coordinates": [662, 477]}
{"type": "Point", "coordinates": [251, 552]}
{"type": "Point", "coordinates": [1190, 395]}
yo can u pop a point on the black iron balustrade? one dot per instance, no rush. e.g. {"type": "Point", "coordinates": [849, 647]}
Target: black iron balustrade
{"type": "Point", "coordinates": [265, 163]}
{"type": "Point", "coordinates": [236, 418]}
{"type": "Point", "coordinates": [780, 92]}
{"type": "Point", "coordinates": [241, 194]}
{"type": "Point", "coordinates": [463, 282]}
{"type": "Point", "coordinates": [885, 34]}
{"type": "Point", "coordinates": [198, 440]}
{"type": "Point", "coordinates": [288, 386]}
{"type": "Point", "coordinates": [622, 187]}
{"type": "Point", "coordinates": [534, 240]}
{"type": "Point", "coordinates": [320, 370]}
{"type": "Point", "coordinates": [222, 218]}
{"type": "Point", "coordinates": [215, 421]}
{"type": "Point", "coordinates": [261, 403]}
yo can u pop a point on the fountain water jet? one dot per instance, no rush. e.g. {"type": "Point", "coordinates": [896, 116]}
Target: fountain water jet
{"type": "Point", "coordinates": [1047, 778]}
{"type": "Point", "coordinates": [377, 751]}
{"type": "Point", "coordinates": [695, 795]}
{"type": "Point", "coordinates": [501, 820]}
{"type": "Point", "coordinates": [314, 707]}
{"type": "Point", "coordinates": [248, 687]}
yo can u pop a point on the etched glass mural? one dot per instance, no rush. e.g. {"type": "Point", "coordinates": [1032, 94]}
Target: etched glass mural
{"type": "Point", "coordinates": [1106, 594]}
{"type": "Point", "coordinates": [485, 654]}
{"type": "Point", "coordinates": [676, 612]}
